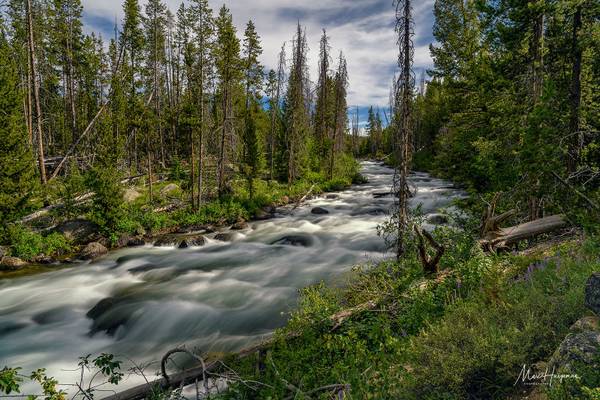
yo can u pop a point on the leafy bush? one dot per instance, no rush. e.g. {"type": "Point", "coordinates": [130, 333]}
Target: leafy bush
{"type": "Point", "coordinates": [27, 245]}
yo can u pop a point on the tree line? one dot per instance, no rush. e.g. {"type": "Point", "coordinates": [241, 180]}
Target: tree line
{"type": "Point", "coordinates": [167, 90]}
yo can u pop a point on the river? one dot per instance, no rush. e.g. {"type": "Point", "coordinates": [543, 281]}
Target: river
{"type": "Point", "coordinates": [218, 297]}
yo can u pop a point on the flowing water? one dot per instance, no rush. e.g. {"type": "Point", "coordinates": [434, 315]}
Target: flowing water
{"type": "Point", "coordinates": [218, 297]}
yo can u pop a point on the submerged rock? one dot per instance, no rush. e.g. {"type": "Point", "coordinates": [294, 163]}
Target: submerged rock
{"type": "Point", "coordinates": [369, 211]}
{"type": "Point", "coordinates": [319, 211]}
{"type": "Point", "coordinates": [106, 318]}
{"type": "Point", "coordinates": [295, 240]}
{"type": "Point", "coordinates": [93, 250]}
{"type": "Point", "coordinates": [592, 293]}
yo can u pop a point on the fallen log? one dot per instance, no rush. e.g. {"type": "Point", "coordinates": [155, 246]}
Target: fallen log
{"type": "Point", "coordinates": [504, 237]}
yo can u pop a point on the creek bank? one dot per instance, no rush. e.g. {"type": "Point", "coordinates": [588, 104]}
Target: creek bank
{"type": "Point", "coordinates": [81, 233]}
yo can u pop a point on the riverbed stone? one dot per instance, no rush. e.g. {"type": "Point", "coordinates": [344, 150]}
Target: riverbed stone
{"type": "Point", "coordinates": [79, 231]}
{"type": "Point", "coordinates": [332, 196]}
{"type": "Point", "coordinates": [105, 317]}
{"type": "Point", "coordinates": [319, 211]}
{"type": "Point", "coordinates": [240, 225]}
{"type": "Point", "coordinates": [11, 263]}
{"type": "Point", "coordinates": [592, 293]}
{"type": "Point", "coordinates": [295, 240]}
{"type": "Point", "coordinates": [136, 242]}
{"type": "Point", "coordinates": [225, 236]}
{"type": "Point", "coordinates": [166, 241]}
{"type": "Point", "coordinates": [190, 241]}
{"type": "Point", "coordinates": [93, 250]}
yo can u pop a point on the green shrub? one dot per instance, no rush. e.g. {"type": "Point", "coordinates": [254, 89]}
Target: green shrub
{"type": "Point", "coordinates": [27, 245]}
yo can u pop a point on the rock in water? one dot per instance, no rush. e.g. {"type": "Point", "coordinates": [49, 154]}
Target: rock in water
{"type": "Point", "coordinates": [192, 241]}
{"type": "Point", "coordinates": [79, 231]}
{"type": "Point", "coordinates": [319, 211]}
{"type": "Point", "coordinates": [592, 293]}
{"type": "Point", "coordinates": [93, 250]}
{"type": "Point", "coordinates": [238, 226]}
{"type": "Point", "coordinates": [11, 263]}
{"type": "Point", "coordinates": [225, 236]}
{"type": "Point", "coordinates": [136, 242]}
{"type": "Point", "coordinates": [166, 241]}
{"type": "Point", "coordinates": [295, 240]}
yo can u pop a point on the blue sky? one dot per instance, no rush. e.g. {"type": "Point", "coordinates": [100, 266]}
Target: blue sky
{"type": "Point", "coordinates": [362, 29]}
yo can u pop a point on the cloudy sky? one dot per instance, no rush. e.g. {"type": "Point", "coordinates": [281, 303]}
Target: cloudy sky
{"type": "Point", "coordinates": [362, 29]}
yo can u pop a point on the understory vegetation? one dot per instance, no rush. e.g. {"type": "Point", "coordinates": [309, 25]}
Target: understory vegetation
{"type": "Point", "coordinates": [465, 334]}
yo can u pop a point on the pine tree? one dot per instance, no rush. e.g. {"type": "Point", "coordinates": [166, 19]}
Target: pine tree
{"type": "Point", "coordinates": [204, 30]}
{"type": "Point", "coordinates": [253, 77]}
{"type": "Point", "coordinates": [17, 173]}
{"type": "Point", "coordinates": [341, 112]}
{"type": "Point", "coordinates": [229, 72]}
{"type": "Point", "coordinates": [323, 116]}
{"type": "Point", "coordinates": [132, 40]}
{"type": "Point", "coordinates": [296, 108]}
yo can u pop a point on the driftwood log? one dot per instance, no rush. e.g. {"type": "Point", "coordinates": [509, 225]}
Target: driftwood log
{"type": "Point", "coordinates": [499, 238]}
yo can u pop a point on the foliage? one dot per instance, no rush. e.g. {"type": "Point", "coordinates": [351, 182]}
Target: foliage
{"type": "Point", "coordinates": [27, 245]}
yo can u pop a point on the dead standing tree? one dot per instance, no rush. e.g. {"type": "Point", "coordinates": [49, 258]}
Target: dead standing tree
{"type": "Point", "coordinates": [403, 120]}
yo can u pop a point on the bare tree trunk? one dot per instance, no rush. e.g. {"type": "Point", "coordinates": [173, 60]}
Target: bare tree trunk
{"type": "Point", "coordinates": [403, 110]}
{"type": "Point", "coordinates": [36, 94]}
{"type": "Point", "coordinates": [574, 145]}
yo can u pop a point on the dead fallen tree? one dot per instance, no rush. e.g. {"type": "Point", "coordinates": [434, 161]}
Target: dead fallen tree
{"type": "Point", "coordinates": [498, 238]}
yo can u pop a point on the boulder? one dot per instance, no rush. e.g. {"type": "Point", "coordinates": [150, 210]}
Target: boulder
{"type": "Point", "coordinates": [284, 200]}
{"type": "Point", "coordinates": [106, 316]}
{"type": "Point", "coordinates": [586, 324]}
{"type": "Point", "coordinates": [437, 219]}
{"type": "Point", "coordinates": [225, 236]}
{"type": "Point", "coordinates": [93, 250]}
{"type": "Point", "coordinates": [170, 189]}
{"type": "Point", "coordinates": [11, 263]}
{"type": "Point", "coordinates": [264, 213]}
{"type": "Point", "coordinates": [238, 226]}
{"type": "Point", "coordinates": [79, 231]}
{"type": "Point", "coordinates": [44, 260]}
{"type": "Point", "coordinates": [190, 241]}
{"type": "Point", "coordinates": [136, 242]}
{"type": "Point", "coordinates": [592, 293]}
{"type": "Point", "coordinates": [575, 350]}
{"type": "Point", "coordinates": [319, 211]}
{"type": "Point", "coordinates": [166, 241]}
{"type": "Point", "coordinates": [295, 240]}
{"type": "Point", "coordinates": [332, 196]}
{"type": "Point", "coordinates": [130, 195]}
